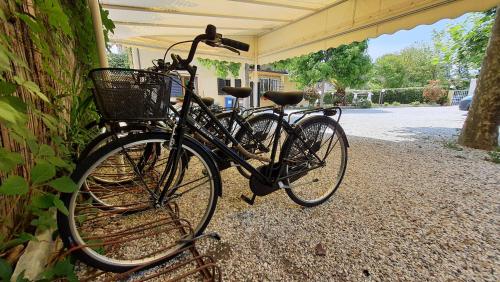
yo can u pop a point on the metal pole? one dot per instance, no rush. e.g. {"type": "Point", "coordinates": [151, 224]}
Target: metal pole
{"type": "Point", "coordinates": [99, 33]}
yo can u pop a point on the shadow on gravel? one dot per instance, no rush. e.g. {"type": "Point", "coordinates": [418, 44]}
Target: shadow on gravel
{"type": "Point", "coordinates": [426, 133]}
{"type": "Point", "coordinates": [364, 111]}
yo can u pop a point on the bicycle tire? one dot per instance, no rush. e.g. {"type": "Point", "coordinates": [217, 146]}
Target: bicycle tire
{"type": "Point", "coordinates": [292, 143]}
{"type": "Point", "coordinates": [242, 136]}
{"type": "Point", "coordinates": [67, 224]}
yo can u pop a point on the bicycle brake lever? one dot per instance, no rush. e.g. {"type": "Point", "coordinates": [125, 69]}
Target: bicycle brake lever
{"type": "Point", "coordinates": [230, 49]}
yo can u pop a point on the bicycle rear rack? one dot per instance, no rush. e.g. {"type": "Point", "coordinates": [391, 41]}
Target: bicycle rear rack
{"type": "Point", "coordinates": [187, 263]}
{"type": "Point", "coordinates": [331, 111]}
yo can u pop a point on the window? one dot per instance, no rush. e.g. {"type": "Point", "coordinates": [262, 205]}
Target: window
{"type": "Point", "coordinates": [221, 82]}
{"type": "Point", "coordinates": [269, 84]}
{"type": "Point", "coordinates": [237, 82]}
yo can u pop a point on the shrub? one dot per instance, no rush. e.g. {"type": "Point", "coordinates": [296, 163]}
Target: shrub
{"type": "Point", "coordinates": [443, 100]}
{"type": "Point", "coordinates": [328, 98]}
{"type": "Point", "coordinates": [363, 103]}
{"type": "Point", "coordinates": [434, 93]}
{"type": "Point", "coordinates": [494, 156]}
{"type": "Point", "coordinates": [403, 96]}
{"type": "Point", "coordinates": [311, 96]}
{"type": "Point", "coordinates": [415, 103]}
{"type": "Point", "coordinates": [452, 145]}
{"type": "Point", "coordinates": [395, 103]}
{"type": "Point", "coordinates": [386, 104]}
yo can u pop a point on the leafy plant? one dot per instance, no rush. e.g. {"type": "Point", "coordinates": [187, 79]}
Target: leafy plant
{"type": "Point", "coordinates": [395, 103]}
{"type": "Point", "coordinates": [415, 103]}
{"type": "Point", "coordinates": [35, 165]}
{"type": "Point", "coordinates": [463, 45]}
{"type": "Point", "coordinates": [494, 156]}
{"type": "Point", "coordinates": [434, 93]}
{"type": "Point", "coordinates": [118, 60]}
{"type": "Point", "coordinates": [386, 104]}
{"type": "Point", "coordinates": [363, 103]}
{"type": "Point", "coordinates": [453, 145]}
{"type": "Point", "coordinates": [344, 66]}
{"type": "Point", "coordinates": [222, 68]}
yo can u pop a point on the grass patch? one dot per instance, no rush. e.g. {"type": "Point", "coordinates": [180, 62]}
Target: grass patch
{"type": "Point", "coordinates": [494, 156]}
{"type": "Point", "coordinates": [452, 145]}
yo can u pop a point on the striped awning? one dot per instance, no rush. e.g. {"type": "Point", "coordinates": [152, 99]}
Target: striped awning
{"type": "Point", "coordinates": [275, 29]}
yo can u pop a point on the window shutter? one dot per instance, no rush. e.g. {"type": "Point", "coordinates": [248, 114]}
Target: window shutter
{"type": "Point", "coordinates": [220, 83]}
{"type": "Point", "coordinates": [176, 90]}
{"type": "Point", "coordinates": [237, 82]}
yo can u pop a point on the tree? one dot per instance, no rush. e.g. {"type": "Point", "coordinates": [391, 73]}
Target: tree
{"type": "Point", "coordinates": [389, 72]}
{"type": "Point", "coordinates": [222, 68]}
{"type": "Point", "coordinates": [413, 66]}
{"type": "Point", "coordinates": [462, 46]}
{"type": "Point", "coordinates": [118, 60]}
{"type": "Point", "coordinates": [480, 129]}
{"type": "Point", "coordinates": [344, 66]}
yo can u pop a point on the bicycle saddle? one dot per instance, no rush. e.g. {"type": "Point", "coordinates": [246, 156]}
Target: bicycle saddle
{"type": "Point", "coordinates": [284, 98]}
{"type": "Point", "coordinates": [207, 101]}
{"type": "Point", "coordinates": [238, 92]}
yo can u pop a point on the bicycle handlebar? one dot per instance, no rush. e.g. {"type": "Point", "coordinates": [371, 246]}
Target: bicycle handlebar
{"type": "Point", "coordinates": [211, 38]}
{"type": "Point", "coordinates": [235, 44]}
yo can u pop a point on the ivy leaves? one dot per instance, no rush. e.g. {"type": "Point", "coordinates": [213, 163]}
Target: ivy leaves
{"type": "Point", "coordinates": [222, 68]}
{"type": "Point", "coordinates": [14, 185]}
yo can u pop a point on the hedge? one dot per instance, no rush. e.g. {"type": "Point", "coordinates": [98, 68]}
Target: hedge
{"type": "Point", "coordinates": [403, 96]}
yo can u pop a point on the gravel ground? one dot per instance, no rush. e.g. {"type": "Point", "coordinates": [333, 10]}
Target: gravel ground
{"type": "Point", "coordinates": [408, 209]}
{"type": "Point", "coordinates": [405, 211]}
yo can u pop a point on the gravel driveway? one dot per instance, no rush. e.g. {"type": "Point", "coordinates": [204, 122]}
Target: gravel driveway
{"type": "Point", "coordinates": [408, 209]}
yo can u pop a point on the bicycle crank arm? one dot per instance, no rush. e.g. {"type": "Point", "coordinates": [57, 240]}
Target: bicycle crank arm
{"type": "Point", "coordinates": [212, 235]}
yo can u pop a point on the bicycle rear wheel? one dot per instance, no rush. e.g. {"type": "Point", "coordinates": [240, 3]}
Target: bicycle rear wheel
{"type": "Point", "coordinates": [135, 231]}
{"type": "Point", "coordinates": [315, 162]}
{"type": "Point", "coordinates": [260, 140]}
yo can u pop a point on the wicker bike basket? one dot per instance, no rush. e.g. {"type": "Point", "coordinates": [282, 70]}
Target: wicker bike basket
{"type": "Point", "coordinates": [131, 95]}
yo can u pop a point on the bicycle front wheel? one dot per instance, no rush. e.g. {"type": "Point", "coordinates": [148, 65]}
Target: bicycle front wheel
{"type": "Point", "coordinates": [315, 160]}
{"type": "Point", "coordinates": [132, 229]}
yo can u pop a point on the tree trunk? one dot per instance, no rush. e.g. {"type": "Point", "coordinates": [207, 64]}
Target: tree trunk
{"type": "Point", "coordinates": [480, 129]}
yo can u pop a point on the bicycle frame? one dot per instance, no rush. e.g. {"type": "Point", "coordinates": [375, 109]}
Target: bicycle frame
{"type": "Point", "coordinates": [184, 123]}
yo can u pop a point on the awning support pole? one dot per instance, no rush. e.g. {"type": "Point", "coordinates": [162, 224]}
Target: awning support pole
{"type": "Point", "coordinates": [255, 75]}
{"type": "Point", "coordinates": [99, 33]}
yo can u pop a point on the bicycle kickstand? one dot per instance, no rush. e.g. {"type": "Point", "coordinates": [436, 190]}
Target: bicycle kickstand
{"type": "Point", "coordinates": [248, 200]}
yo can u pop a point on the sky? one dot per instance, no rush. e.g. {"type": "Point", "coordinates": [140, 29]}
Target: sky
{"type": "Point", "coordinates": [392, 43]}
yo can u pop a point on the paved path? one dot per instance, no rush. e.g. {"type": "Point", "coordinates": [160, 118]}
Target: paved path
{"type": "Point", "coordinates": [403, 123]}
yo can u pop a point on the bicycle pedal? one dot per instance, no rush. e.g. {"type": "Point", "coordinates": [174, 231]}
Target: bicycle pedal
{"type": "Point", "coordinates": [248, 200]}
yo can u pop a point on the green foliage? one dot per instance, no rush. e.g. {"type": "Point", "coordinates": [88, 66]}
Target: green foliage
{"type": "Point", "coordinates": [62, 269]}
{"type": "Point", "coordinates": [453, 146]}
{"type": "Point", "coordinates": [434, 93]}
{"type": "Point", "coordinates": [415, 103]}
{"type": "Point", "coordinates": [56, 25]}
{"type": "Point", "coordinates": [345, 66]}
{"type": "Point", "coordinates": [222, 68]}
{"type": "Point", "coordinates": [403, 96]}
{"type": "Point", "coordinates": [395, 103]}
{"type": "Point", "coordinates": [494, 156]}
{"type": "Point", "coordinates": [328, 98]}
{"type": "Point", "coordinates": [118, 60]}
{"type": "Point", "coordinates": [411, 67]}
{"type": "Point", "coordinates": [14, 185]}
{"type": "Point", "coordinates": [5, 270]}
{"type": "Point", "coordinates": [363, 103]}
{"type": "Point", "coordinates": [386, 104]}
{"type": "Point", "coordinates": [462, 46]}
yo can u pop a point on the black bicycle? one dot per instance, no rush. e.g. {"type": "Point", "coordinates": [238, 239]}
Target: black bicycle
{"type": "Point", "coordinates": [184, 185]}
